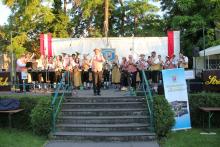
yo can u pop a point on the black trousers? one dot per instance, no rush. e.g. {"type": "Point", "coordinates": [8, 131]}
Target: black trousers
{"type": "Point", "coordinates": [97, 81]}
{"type": "Point", "coordinates": [20, 81]}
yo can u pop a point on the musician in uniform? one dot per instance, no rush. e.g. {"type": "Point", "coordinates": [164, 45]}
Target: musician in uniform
{"type": "Point", "coordinates": [58, 68]}
{"type": "Point", "coordinates": [42, 66]}
{"type": "Point", "coordinates": [97, 65]}
{"type": "Point", "coordinates": [21, 67]}
{"type": "Point", "coordinates": [106, 74]}
{"type": "Point", "coordinates": [142, 65]}
{"type": "Point", "coordinates": [116, 74]}
{"type": "Point", "coordinates": [167, 63]}
{"type": "Point", "coordinates": [51, 71]}
{"type": "Point", "coordinates": [124, 74]}
{"type": "Point", "coordinates": [132, 70]}
{"type": "Point", "coordinates": [77, 73]}
{"type": "Point", "coordinates": [183, 61]}
{"type": "Point", "coordinates": [85, 71]}
{"type": "Point", "coordinates": [155, 70]}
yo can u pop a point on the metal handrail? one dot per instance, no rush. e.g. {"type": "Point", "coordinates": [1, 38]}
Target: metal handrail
{"type": "Point", "coordinates": [55, 109]}
{"type": "Point", "coordinates": [148, 97]}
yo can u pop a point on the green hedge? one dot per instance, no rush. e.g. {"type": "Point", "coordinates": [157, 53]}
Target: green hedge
{"type": "Point", "coordinates": [163, 116]}
{"type": "Point", "coordinates": [203, 100]}
{"type": "Point", "coordinates": [36, 115]}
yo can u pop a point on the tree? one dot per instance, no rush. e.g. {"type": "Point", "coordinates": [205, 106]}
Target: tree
{"type": "Point", "coordinates": [190, 16]}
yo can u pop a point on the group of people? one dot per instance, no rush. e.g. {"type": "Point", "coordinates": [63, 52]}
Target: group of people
{"type": "Point", "coordinates": [96, 71]}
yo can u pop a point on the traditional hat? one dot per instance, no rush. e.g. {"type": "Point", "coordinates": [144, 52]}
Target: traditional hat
{"type": "Point", "coordinates": [142, 55]}
{"type": "Point", "coordinates": [96, 49]}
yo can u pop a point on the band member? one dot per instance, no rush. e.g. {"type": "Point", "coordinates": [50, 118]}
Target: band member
{"type": "Point", "coordinates": [51, 72]}
{"type": "Point", "coordinates": [85, 71]}
{"type": "Point", "coordinates": [183, 61]}
{"type": "Point", "coordinates": [155, 67]}
{"type": "Point", "coordinates": [132, 70]}
{"type": "Point", "coordinates": [167, 63]}
{"type": "Point", "coordinates": [142, 65]}
{"type": "Point", "coordinates": [66, 62]}
{"type": "Point", "coordinates": [42, 66]}
{"type": "Point", "coordinates": [124, 74]}
{"type": "Point", "coordinates": [116, 75]}
{"type": "Point", "coordinates": [21, 67]}
{"type": "Point", "coordinates": [106, 74]}
{"type": "Point", "coordinates": [77, 73]}
{"type": "Point", "coordinates": [97, 65]}
{"type": "Point", "coordinates": [58, 68]}
{"type": "Point", "coordinates": [174, 62]}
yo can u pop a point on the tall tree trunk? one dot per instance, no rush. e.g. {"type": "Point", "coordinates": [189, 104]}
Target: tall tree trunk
{"type": "Point", "coordinates": [106, 17]}
{"type": "Point", "coordinates": [64, 6]}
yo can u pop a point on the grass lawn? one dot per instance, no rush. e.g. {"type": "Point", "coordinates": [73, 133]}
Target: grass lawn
{"type": "Point", "coordinates": [192, 138]}
{"type": "Point", "coordinates": [15, 138]}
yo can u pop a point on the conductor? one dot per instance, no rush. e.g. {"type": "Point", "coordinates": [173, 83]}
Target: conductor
{"type": "Point", "coordinates": [97, 64]}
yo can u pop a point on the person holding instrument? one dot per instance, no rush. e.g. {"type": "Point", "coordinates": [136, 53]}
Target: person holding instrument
{"type": "Point", "coordinates": [97, 65]}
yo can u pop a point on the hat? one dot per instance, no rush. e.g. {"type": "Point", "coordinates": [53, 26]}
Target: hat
{"type": "Point", "coordinates": [142, 55]}
{"type": "Point", "coordinates": [96, 49]}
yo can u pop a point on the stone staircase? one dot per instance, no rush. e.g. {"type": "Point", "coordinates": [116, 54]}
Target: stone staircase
{"type": "Point", "coordinates": [103, 119]}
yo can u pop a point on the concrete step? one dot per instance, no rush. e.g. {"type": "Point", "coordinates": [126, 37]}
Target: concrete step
{"type": "Point", "coordinates": [103, 127]}
{"type": "Point", "coordinates": [103, 112]}
{"type": "Point", "coordinates": [104, 99]}
{"type": "Point", "coordinates": [104, 136]}
{"type": "Point", "coordinates": [101, 119]}
{"type": "Point", "coordinates": [97, 105]}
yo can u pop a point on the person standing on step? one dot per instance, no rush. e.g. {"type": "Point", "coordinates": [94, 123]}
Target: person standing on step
{"type": "Point", "coordinates": [97, 65]}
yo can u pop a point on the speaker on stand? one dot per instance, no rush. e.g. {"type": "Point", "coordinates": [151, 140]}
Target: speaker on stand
{"type": "Point", "coordinates": [196, 54]}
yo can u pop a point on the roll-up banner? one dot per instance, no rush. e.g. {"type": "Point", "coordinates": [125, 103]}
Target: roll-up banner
{"type": "Point", "coordinates": [175, 89]}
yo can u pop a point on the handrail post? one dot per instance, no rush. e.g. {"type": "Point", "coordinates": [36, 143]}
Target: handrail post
{"type": "Point", "coordinates": [148, 98]}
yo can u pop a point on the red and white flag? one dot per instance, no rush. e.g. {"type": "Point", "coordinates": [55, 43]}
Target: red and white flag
{"type": "Point", "coordinates": [46, 45]}
{"type": "Point", "coordinates": [173, 42]}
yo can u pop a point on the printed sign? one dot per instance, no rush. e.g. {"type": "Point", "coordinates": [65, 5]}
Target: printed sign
{"type": "Point", "coordinates": [211, 79]}
{"type": "Point", "coordinates": [189, 74]}
{"type": "Point", "coordinates": [5, 80]}
{"type": "Point", "coordinates": [176, 94]}
{"type": "Point", "coordinates": [108, 53]}
{"type": "Point", "coordinates": [24, 75]}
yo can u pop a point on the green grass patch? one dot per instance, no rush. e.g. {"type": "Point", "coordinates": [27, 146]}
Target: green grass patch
{"type": "Point", "coordinates": [17, 138]}
{"type": "Point", "coordinates": [192, 138]}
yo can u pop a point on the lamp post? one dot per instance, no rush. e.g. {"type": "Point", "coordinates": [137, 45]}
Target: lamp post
{"type": "Point", "coordinates": [12, 56]}
{"type": "Point", "coordinates": [203, 34]}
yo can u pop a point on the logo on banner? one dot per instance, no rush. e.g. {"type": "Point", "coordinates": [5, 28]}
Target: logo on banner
{"type": "Point", "coordinates": [174, 78]}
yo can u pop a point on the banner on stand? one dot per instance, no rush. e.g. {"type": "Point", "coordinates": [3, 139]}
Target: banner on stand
{"type": "Point", "coordinates": [175, 89]}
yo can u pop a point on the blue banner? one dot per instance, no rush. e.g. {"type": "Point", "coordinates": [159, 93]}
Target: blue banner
{"type": "Point", "coordinates": [175, 89]}
{"type": "Point", "coordinates": [109, 54]}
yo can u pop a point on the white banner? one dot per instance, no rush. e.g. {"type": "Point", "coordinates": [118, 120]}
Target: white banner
{"type": "Point", "coordinates": [123, 46]}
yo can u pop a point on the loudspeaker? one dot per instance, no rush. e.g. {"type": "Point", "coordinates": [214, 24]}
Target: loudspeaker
{"type": "Point", "coordinates": [196, 52]}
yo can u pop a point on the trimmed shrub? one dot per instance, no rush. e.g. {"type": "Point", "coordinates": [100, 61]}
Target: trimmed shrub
{"type": "Point", "coordinates": [203, 100]}
{"type": "Point", "coordinates": [163, 116]}
{"type": "Point", "coordinates": [41, 117]}
{"type": "Point", "coordinates": [23, 120]}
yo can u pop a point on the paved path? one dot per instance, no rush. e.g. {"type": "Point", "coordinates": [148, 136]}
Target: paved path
{"type": "Point", "coordinates": [103, 144]}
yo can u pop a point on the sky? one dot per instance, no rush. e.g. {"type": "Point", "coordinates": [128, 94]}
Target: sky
{"type": "Point", "coordinates": [5, 12]}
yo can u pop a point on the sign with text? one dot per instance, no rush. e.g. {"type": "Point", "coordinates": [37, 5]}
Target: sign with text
{"type": "Point", "coordinates": [211, 79]}
{"type": "Point", "coordinates": [5, 80]}
{"type": "Point", "coordinates": [176, 94]}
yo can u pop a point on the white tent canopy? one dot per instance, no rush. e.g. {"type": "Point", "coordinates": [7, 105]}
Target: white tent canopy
{"type": "Point", "coordinates": [210, 51]}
